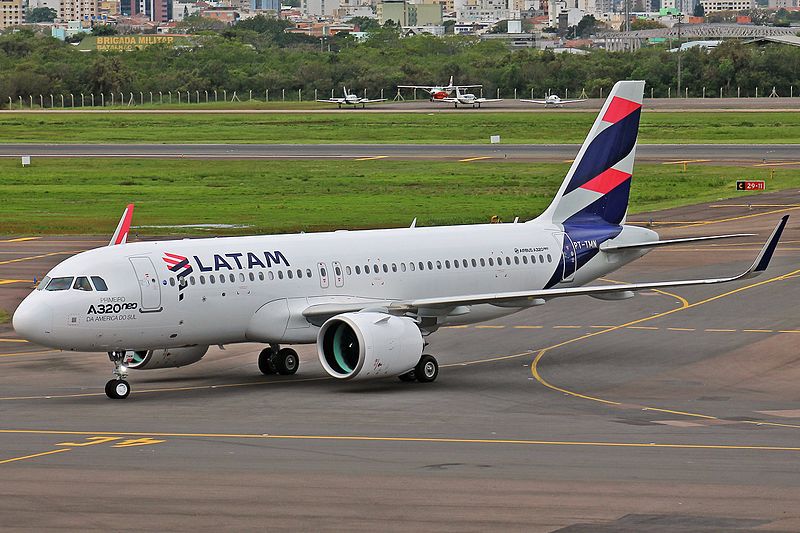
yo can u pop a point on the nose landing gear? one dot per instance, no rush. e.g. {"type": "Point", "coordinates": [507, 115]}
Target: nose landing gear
{"type": "Point", "coordinates": [118, 388]}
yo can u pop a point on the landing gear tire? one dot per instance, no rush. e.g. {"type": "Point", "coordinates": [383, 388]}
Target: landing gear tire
{"type": "Point", "coordinates": [427, 369]}
{"type": "Point", "coordinates": [407, 377]}
{"type": "Point", "coordinates": [287, 362]}
{"type": "Point", "coordinates": [118, 389]}
{"type": "Point", "coordinates": [266, 361]}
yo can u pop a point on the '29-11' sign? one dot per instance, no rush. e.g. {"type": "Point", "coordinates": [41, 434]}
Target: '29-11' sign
{"type": "Point", "coordinates": [750, 185]}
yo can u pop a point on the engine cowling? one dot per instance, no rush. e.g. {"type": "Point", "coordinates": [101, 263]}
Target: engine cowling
{"type": "Point", "coordinates": [164, 358]}
{"type": "Point", "coordinates": [368, 345]}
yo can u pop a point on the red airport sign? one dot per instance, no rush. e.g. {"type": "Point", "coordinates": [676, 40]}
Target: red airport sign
{"type": "Point", "coordinates": [750, 185]}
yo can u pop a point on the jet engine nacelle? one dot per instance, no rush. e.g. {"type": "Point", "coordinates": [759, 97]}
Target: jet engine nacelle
{"type": "Point", "coordinates": [368, 345]}
{"type": "Point", "coordinates": [164, 358]}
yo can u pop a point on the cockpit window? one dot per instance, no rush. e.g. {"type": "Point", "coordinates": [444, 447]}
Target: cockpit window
{"type": "Point", "coordinates": [99, 283]}
{"type": "Point", "coordinates": [82, 284]}
{"type": "Point", "coordinates": [42, 284]}
{"type": "Point", "coordinates": [59, 284]}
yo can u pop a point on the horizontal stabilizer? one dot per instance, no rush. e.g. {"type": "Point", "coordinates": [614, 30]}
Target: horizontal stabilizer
{"type": "Point", "coordinates": [609, 247]}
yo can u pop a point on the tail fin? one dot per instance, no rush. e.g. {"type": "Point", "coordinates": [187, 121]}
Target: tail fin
{"type": "Point", "coordinates": [451, 81]}
{"type": "Point", "coordinates": [598, 184]}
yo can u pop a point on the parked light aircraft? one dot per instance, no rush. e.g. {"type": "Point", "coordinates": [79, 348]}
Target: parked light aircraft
{"type": "Point", "coordinates": [467, 99]}
{"type": "Point", "coordinates": [553, 101]}
{"type": "Point", "coordinates": [368, 299]}
{"type": "Point", "coordinates": [437, 92]}
{"type": "Point", "coordinates": [351, 99]}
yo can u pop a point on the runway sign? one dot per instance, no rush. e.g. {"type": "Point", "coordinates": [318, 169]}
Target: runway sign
{"type": "Point", "coordinates": [751, 185]}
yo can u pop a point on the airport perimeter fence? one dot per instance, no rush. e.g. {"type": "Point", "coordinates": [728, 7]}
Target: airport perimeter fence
{"type": "Point", "coordinates": [124, 99]}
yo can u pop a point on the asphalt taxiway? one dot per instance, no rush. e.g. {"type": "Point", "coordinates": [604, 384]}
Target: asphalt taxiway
{"type": "Point", "coordinates": [771, 155]}
{"type": "Point", "coordinates": [747, 103]}
{"type": "Point", "coordinates": [673, 411]}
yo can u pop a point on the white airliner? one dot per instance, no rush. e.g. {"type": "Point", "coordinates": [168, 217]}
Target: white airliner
{"type": "Point", "coordinates": [368, 298]}
{"type": "Point", "coordinates": [351, 99]}
{"type": "Point", "coordinates": [437, 92]}
{"type": "Point", "coordinates": [467, 99]}
{"type": "Point", "coordinates": [553, 101]}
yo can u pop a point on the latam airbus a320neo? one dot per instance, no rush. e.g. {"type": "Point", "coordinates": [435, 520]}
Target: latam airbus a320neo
{"type": "Point", "coordinates": [367, 299]}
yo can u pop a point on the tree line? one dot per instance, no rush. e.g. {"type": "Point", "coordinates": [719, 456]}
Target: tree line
{"type": "Point", "coordinates": [258, 55]}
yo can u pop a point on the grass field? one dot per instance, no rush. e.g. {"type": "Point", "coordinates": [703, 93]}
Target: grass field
{"type": "Point", "coordinates": [4, 317]}
{"type": "Point", "coordinates": [355, 127]}
{"type": "Point", "coordinates": [87, 196]}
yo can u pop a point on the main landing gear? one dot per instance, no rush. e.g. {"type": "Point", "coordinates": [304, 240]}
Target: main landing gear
{"type": "Point", "coordinates": [118, 388]}
{"type": "Point", "coordinates": [277, 360]}
{"type": "Point", "coordinates": [426, 371]}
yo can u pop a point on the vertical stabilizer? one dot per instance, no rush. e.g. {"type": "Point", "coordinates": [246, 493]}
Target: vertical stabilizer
{"type": "Point", "coordinates": [598, 184]}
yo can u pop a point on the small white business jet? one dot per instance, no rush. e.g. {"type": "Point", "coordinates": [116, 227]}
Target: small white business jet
{"type": "Point", "coordinates": [351, 99]}
{"type": "Point", "coordinates": [553, 100]}
{"type": "Point", "coordinates": [467, 99]}
{"type": "Point", "coordinates": [368, 299]}
{"type": "Point", "coordinates": [437, 92]}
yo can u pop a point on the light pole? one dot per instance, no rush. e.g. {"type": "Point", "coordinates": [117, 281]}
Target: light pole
{"type": "Point", "coordinates": [680, 19]}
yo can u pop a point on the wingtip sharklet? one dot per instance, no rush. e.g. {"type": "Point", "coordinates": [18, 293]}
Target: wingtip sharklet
{"type": "Point", "coordinates": [123, 227]}
{"type": "Point", "coordinates": [765, 255]}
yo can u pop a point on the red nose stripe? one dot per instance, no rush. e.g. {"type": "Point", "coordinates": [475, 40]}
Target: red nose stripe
{"type": "Point", "coordinates": [619, 109]}
{"type": "Point", "coordinates": [606, 181]}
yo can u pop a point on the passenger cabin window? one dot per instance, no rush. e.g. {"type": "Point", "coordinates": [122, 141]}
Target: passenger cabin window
{"type": "Point", "coordinates": [82, 284]}
{"type": "Point", "coordinates": [172, 282]}
{"type": "Point", "coordinates": [358, 269]}
{"type": "Point", "coordinates": [59, 284]}
{"type": "Point", "coordinates": [99, 283]}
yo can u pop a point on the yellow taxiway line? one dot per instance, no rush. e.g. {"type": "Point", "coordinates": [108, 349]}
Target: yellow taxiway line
{"type": "Point", "coordinates": [20, 239]}
{"type": "Point", "coordinates": [32, 456]}
{"type": "Point", "coordinates": [687, 161]}
{"type": "Point", "coordinates": [684, 305]}
{"type": "Point", "coordinates": [371, 158]}
{"type": "Point", "coordinates": [365, 438]}
{"type": "Point", "coordinates": [481, 158]}
{"type": "Point", "coordinates": [779, 164]}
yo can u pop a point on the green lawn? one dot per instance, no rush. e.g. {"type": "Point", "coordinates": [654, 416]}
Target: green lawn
{"type": "Point", "coordinates": [357, 127]}
{"type": "Point", "coordinates": [4, 317]}
{"type": "Point", "coordinates": [88, 195]}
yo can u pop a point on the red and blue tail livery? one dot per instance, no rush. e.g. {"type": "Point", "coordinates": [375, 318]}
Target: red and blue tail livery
{"type": "Point", "coordinates": [597, 186]}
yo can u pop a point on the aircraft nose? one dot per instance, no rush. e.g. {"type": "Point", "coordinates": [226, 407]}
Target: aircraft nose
{"type": "Point", "coordinates": [33, 321]}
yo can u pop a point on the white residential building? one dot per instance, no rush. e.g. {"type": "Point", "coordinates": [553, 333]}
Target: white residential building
{"type": "Point", "coordinates": [727, 5]}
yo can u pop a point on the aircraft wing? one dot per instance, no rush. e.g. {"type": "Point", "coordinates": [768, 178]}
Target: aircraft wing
{"type": "Point", "coordinates": [368, 101]}
{"type": "Point", "coordinates": [571, 101]}
{"type": "Point", "coordinates": [484, 100]}
{"type": "Point", "coordinates": [333, 101]}
{"type": "Point", "coordinates": [423, 87]}
{"type": "Point", "coordinates": [447, 99]}
{"type": "Point", "coordinates": [542, 102]}
{"type": "Point", "coordinates": [467, 86]}
{"type": "Point", "coordinates": [538, 297]}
